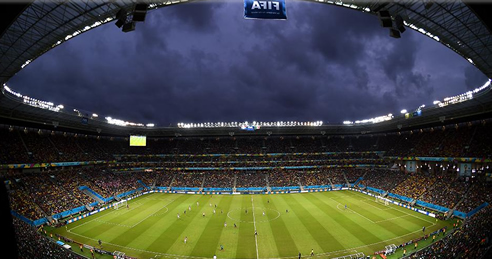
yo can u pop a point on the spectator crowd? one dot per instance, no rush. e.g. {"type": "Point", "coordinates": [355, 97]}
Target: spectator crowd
{"type": "Point", "coordinates": [333, 160]}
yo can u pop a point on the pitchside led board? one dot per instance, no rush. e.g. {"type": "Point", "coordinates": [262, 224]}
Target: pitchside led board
{"type": "Point", "coordinates": [254, 9]}
{"type": "Point", "coordinates": [138, 141]}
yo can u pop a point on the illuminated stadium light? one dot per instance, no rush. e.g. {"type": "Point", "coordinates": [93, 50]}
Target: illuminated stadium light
{"type": "Point", "coordinates": [403, 111]}
{"type": "Point", "coordinates": [26, 63]}
{"type": "Point", "coordinates": [33, 101]}
{"type": "Point", "coordinates": [375, 119]}
{"type": "Point", "coordinates": [428, 34]}
{"type": "Point", "coordinates": [150, 125]}
{"type": "Point", "coordinates": [348, 122]}
{"type": "Point", "coordinates": [256, 124]}
{"type": "Point", "coordinates": [487, 84]}
{"type": "Point", "coordinates": [77, 32]}
{"type": "Point", "coordinates": [122, 122]}
{"type": "Point", "coordinates": [12, 92]}
{"type": "Point", "coordinates": [462, 97]}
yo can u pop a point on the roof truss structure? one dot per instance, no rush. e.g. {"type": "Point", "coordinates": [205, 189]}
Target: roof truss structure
{"type": "Point", "coordinates": [46, 24]}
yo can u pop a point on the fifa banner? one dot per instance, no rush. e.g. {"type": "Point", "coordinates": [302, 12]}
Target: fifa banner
{"type": "Point", "coordinates": [254, 9]}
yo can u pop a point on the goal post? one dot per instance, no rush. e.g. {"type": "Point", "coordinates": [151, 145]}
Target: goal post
{"type": "Point", "coordinates": [118, 254]}
{"type": "Point", "coordinates": [382, 200]}
{"type": "Point", "coordinates": [390, 249]}
{"type": "Point", "coordinates": [120, 204]}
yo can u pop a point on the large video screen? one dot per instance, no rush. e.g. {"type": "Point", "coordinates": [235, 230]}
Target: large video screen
{"type": "Point", "coordinates": [138, 141]}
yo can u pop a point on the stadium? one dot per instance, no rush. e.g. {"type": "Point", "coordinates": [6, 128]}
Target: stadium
{"type": "Point", "coordinates": [412, 185]}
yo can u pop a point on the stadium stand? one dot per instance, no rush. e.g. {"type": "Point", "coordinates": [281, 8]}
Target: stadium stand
{"type": "Point", "coordinates": [218, 164]}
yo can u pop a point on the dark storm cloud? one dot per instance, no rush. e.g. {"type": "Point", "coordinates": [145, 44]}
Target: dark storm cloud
{"type": "Point", "coordinates": [330, 58]}
{"type": "Point", "coordinates": [202, 62]}
{"type": "Point", "coordinates": [398, 63]}
{"type": "Point", "coordinates": [199, 16]}
{"type": "Point", "coordinates": [474, 78]}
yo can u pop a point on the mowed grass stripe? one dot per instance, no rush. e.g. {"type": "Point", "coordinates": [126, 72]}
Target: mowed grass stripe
{"type": "Point", "coordinates": [246, 247]}
{"type": "Point", "coordinates": [284, 243]}
{"type": "Point", "coordinates": [321, 236]}
{"type": "Point", "coordinates": [395, 215]}
{"type": "Point", "coordinates": [194, 226]}
{"type": "Point", "coordinates": [385, 229]}
{"type": "Point", "coordinates": [105, 228]}
{"type": "Point", "coordinates": [343, 198]}
{"type": "Point", "coordinates": [209, 239]}
{"type": "Point", "coordinates": [95, 228]}
{"type": "Point", "coordinates": [299, 233]}
{"type": "Point", "coordinates": [147, 225]}
{"type": "Point", "coordinates": [403, 211]}
{"type": "Point", "coordinates": [230, 235]}
{"type": "Point", "coordinates": [401, 219]}
{"type": "Point", "coordinates": [325, 207]}
{"type": "Point", "coordinates": [351, 230]}
{"type": "Point", "coordinates": [175, 228]}
{"type": "Point", "coordinates": [165, 221]}
{"type": "Point", "coordinates": [382, 210]}
{"type": "Point", "coordinates": [127, 245]}
{"type": "Point", "coordinates": [266, 240]}
{"type": "Point", "coordinates": [190, 223]}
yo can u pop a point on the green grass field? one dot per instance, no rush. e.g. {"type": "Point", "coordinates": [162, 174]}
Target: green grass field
{"type": "Point", "coordinates": [150, 228]}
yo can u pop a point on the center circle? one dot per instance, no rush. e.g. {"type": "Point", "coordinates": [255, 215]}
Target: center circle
{"type": "Point", "coordinates": [260, 214]}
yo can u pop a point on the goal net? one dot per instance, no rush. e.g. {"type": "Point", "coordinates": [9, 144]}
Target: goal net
{"type": "Point", "coordinates": [382, 200]}
{"type": "Point", "coordinates": [390, 249]}
{"type": "Point", "coordinates": [118, 254]}
{"type": "Point", "coordinates": [119, 205]}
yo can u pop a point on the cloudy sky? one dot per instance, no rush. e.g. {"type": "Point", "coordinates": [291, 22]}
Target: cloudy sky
{"type": "Point", "coordinates": [203, 62]}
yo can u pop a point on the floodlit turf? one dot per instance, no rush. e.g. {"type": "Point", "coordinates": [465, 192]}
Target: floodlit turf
{"type": "Point", "coordinates": [318, 221]}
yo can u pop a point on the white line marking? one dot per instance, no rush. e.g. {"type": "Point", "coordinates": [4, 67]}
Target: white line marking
{"type": "Point", "coordinates": [165, 206]}
{"type": "Point", "coordinates": [353, 211]}
{"type": "Point", "coordinates": [368, 202]}
{"type": "Point", "coordinates": [383, 220]}
{"type": "Point", "coordinates": [405, 210]}
{"type": "Point", "coordinates": [348, 250]}
{"type": "Point", "coordinates": [254, 224]}
{"type": "Point", "coordinates": [98, 219]}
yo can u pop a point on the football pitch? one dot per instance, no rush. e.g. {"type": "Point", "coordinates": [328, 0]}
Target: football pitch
{"type": "Point", "coordinates": [286, 225]}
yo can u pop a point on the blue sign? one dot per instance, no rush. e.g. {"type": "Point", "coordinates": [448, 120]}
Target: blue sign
{"type": "Point", "coordinates": [265, 9]}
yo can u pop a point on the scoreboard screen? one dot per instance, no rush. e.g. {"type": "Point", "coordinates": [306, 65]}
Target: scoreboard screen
{"type": "Point", "coordinates": [138, 141]}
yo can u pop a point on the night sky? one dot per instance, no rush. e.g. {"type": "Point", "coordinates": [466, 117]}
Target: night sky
{"type": "Point", "coordinates": [203, 62]}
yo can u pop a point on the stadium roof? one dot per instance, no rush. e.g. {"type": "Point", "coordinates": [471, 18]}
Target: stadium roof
{"type": "Point", "coordinates": [33, 29]}
{"type": "Point", "coordinates": [13, 111]}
